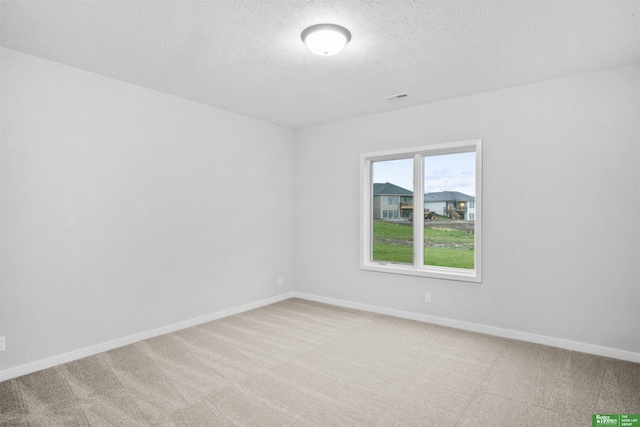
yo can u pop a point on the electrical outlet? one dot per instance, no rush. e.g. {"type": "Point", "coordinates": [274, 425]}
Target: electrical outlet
{"type": "Point", "coordinates": [427, 297]}
{"type": "Point", "coordinates": [2, 344]}
{"type": "Point", "coordinates": [280, 281]}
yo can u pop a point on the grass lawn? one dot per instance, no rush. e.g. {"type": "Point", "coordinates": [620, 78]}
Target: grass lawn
{"type": "Point", "coordinates": [393, 243]}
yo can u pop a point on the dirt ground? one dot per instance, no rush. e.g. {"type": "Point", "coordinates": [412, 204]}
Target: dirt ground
{"type": "Point", "coordinates": [451, 225]}
{"type": "Point", "coordinates": [443, 224]}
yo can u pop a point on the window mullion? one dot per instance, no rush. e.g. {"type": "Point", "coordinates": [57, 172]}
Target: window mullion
{"type": "Point", "coordinates": [418, 211]}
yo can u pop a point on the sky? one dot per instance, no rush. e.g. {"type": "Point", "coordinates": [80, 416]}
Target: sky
{"type": "Point", "coordinates": [451, 172]}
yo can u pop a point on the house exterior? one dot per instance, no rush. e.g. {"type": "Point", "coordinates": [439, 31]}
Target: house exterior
{"type": "Point", "coordinates": [391, 202]}
{"type": "Point", "coordinates": [452, 204]}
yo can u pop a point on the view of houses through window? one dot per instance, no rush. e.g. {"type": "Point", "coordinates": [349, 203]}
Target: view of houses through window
{"type": "Point", "coordinates": [448, 210]}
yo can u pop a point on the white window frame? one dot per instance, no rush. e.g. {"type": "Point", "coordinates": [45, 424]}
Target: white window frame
{"type": "Point", "coordinates": [366, 212]}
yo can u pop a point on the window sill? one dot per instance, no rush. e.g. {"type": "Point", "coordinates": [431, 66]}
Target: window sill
{"type": "Point", "coordinates": [458, 274]}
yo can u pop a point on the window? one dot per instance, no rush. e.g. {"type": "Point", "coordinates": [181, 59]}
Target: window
{"type": "Point", "coordinates": [446, 181]}
{"type": "Point", "coordinates": [384, 213]}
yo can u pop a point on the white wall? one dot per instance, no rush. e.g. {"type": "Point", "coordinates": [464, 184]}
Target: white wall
{"type": "Point", "coordinates": [125, 209]}
{"type": "Point", "coordinates": [564, 274]}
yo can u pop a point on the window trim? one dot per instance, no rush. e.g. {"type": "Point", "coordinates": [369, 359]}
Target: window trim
{"type": "Point", "coordinates": [366, 212]}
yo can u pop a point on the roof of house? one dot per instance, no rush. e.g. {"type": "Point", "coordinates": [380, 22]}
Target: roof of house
{"type": "Point", "coordinates": [448, 196]}
{"type": "Point", "coordinates": [389, 189]}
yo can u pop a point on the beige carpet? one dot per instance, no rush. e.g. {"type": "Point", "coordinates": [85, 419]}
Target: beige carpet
{"type": "Point", "coordinates": [299, 363]}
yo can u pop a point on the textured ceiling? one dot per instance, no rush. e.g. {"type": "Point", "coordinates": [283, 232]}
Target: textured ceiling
{"type": "Point", "coordinates": [246, 56]}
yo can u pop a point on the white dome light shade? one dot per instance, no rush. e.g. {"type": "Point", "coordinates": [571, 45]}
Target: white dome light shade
{"type": "Point", "coordinates": [326, 39]}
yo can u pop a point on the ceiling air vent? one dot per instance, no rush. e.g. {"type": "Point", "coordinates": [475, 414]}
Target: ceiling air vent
{"type": "Point", "coordinates": [394, 97]}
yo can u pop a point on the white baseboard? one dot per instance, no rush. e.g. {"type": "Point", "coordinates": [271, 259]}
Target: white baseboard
{"type": "Point", "coordinates": [474, 327]}
{"type": "Point", "coordinates": [39, 365]}
{"type": "Point", "coordinates": [29, 368]}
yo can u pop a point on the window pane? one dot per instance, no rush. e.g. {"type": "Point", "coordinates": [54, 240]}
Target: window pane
{"type": "Point", "coordinates": [392, 234]}
{"type": "Point", "coordinates": [449, 204]}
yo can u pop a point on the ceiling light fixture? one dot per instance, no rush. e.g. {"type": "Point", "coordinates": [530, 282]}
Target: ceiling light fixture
{"type": "Point", "coordinates": [326, 39]}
